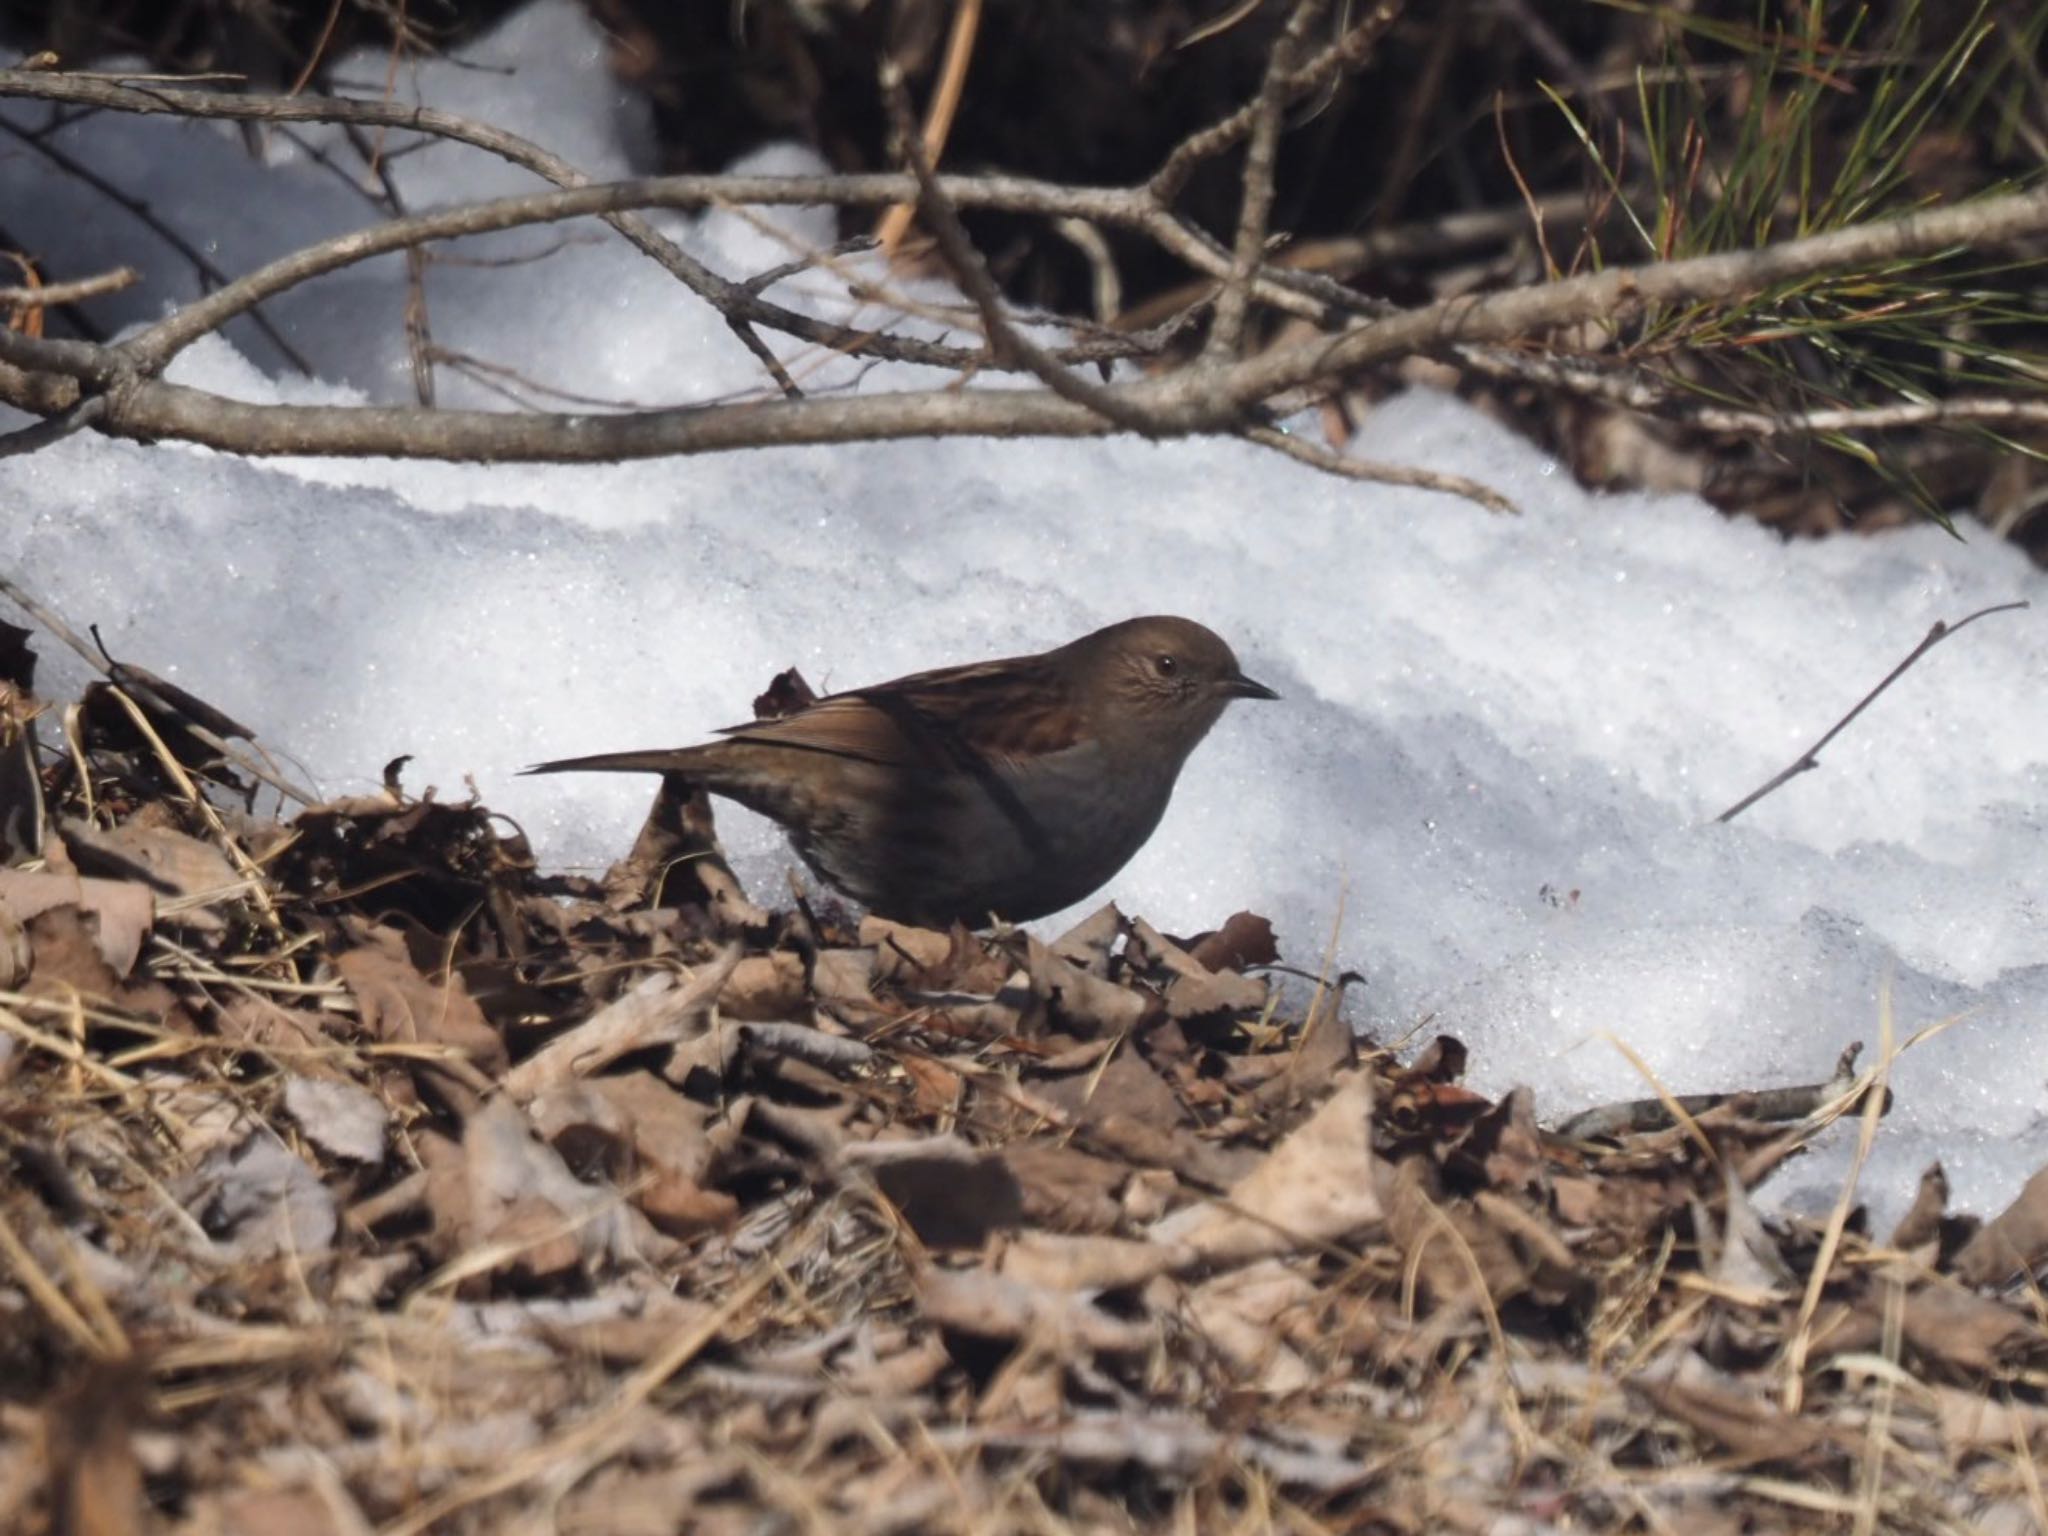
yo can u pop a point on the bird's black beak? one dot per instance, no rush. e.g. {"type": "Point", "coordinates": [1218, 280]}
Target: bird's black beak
{"type": "Point", "coordinates": [1242, 687]}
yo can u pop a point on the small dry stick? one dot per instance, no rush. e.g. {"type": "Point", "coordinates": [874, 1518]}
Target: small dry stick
{"type": "Point", "coordinates": [1810, 758]}
{"type": "Point", "coordinates": [1005, 341]}
{"type": "Point", "coordinates": [1255, 209]}
{"type": "Point", "coordinates": [1637, 1116]}
{"type": "Point", "coordinates": [63, 631]}
{"type": "Point", "coordinates": [1331, 462]}
{"type": "Point", "coordinates": [938, 120]}
{"type": "Point", "coordinates": [48, 295]}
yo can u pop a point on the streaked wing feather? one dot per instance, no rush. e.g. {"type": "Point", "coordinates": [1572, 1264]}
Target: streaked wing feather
{"type": "Point", "coordinates": [935, 716]}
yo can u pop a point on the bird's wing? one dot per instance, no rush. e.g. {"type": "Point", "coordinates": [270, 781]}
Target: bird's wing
{"type": "Point", "coordinates": [951, 717]}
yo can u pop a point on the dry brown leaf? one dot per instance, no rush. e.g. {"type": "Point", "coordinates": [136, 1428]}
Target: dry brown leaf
{"type": "Point", "coordinates": [659, 1010]}
{"type": "Point", "coordinates": [1449, 1242]}
{"type": "Point", "coordinates": [1317, 1186]}
{"type": "Point", "coordinates": [1079, 999]}
{"type": "Point", "coordinates": [1089, 944]}
{"type": "Point", "coordinates": [659, 1143]}
{"type": "Point", "coordinates": [171, 861]}
{"type": "Point", "coordinates": [1243, 1313]}
{"type": "Point", "coordinates": [522, 1195]}
{"type": "Point", "coordinates": [1967, 1333]}
{"type": "Point", "coordinates": [904, 953]}
{"type": "Point", "coordinates": [1746, 1423]}
{"type": "Point", "coordinates": [765, 987]}
{"type": "Point", "coordinates": [400, 1004]}
{"type": "Point", "coordinates": [2014, 1240]}
{"type": "Point", "coordinates": [1058, 1262]}
{"type": "Point", "coordinates": [977, 1302]}
{"type": "Point", "coordinates": [297, 1036]}
{"type": "Point", "coordinates": [1064, 1188]}
{"type": "Point", "coordinates": [1245, 940]}
{"type": "Point", "coordinates": [122, 911]}
{"type": "Point", "coordinates": [271, 1511]}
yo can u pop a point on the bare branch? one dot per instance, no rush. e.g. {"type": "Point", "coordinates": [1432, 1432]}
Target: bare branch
{"type": "Point", "coordinates": [1005, 341]}
{"type": "Point", "coordinates": [52, 294]}
{"type": "Point", "coordinates": [53, 429]}
{"type": "Point", "coordinates": [732, 300]}
{"type": "Point", "coordinates": [1261, 163]}
{"type": "Point", "coordinates": [1872, 418]}
{"type": "Point", "coordinates": [1194, 400]}
{"type": "Point", "coordinates": [1635, 389]}
{"type": "Point", "coordinates": [1349, 52]}
{"type": "Point", "coordinates": [147, 216]}
{"type": "Point", "coordinates": [50, 377]}
{"type": "Point", "coordinates": [1810, 758]}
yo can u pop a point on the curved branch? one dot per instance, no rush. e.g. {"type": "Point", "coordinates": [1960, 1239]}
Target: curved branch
{"type": "Point", "coordinates": [741, 306]}
{"type": "Point", "coordinates": [153, 348]}
{"type": "Point", "coordinates": [1193, 400]}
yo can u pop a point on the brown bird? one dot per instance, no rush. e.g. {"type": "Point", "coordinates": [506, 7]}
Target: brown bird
{"type": "Point", "coordinates": [1011, 787]}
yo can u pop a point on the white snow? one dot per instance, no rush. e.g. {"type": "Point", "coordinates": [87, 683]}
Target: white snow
{"type": "Point", "coordinates": [1491, 784]}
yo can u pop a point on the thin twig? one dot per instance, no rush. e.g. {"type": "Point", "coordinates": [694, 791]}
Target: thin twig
{"type": "Point", "coordinates": [855, 245]}
{"type": "Point", "coordinates": [1636, 389]}
{"type": "Point", "coordinates": [939, 112]}
{"type": "Point", "coordinates": [730, 299]}
{"type": "Point", "coordinates": [971, 272]}
{"type": "Point", "coordinates": [54, 623]}
{"type": "Point", "coordinates": [1810, 758]}
{"type": "Point", "coordinates": [1349, 52]}
{"type": "Point", "coordinates": [209, 274]}
{"type": "Point", "coordinates": [50, 295]}
{"type": "Point", "coordinates": [1319, 457]}
{"type": "Point", "coordinates": [1261, 165]}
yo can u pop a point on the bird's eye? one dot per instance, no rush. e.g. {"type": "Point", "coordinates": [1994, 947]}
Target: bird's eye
{"type": "Point", "coordinates": [1167, 666]}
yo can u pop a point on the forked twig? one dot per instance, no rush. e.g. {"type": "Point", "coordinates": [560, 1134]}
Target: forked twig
{"type": "Point", "coordinates": [1810, 758]}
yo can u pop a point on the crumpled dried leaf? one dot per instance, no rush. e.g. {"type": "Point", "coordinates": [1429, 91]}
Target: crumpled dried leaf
{"type": "Point", "coordinates": [1242, 1312]}
{"type": "Point", "coordinates": [1079, 999]}
{"type": "Point", "coordinates": [173, 863]}
{"type": "Point", "coordinates": [266, 1511]}
{"type": "Point", "coordinates": [1745, 1422]}
{"type": "Point", "coordinates": [1065, 1189]}
{"type": "Point", "coordinates": [765, 987]}
{"type": "Point", "coordinates": [1317, 1186]}
{"type": "Point", "coordinates": [988, 1306]}
{"type": "Point", "coordinates": [1195, 991]}
{"type": "Point", "coordinates": [122, 911]}
{"type": "Point", "coordinates": [648, 1138]}
{"type": "Point", "coordinates": [400, 1004]}
{"type": "Point", "coordinates": [533, 1215]}
{"type": "Point", "coordinates": [1245, 940]}
{"type": "Point", "coordinates": [2014, 1240]}
{"type": "Point", "coordinates": [657, 1011]}
{"type": "Point", "coordinates": [1089, 944]}
{"type": "Point", "coordinates": [904, 953]}
{"type": "Point", "coordinates": [1052, 1261]}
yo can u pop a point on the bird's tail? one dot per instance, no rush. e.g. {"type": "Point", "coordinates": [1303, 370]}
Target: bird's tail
{"type": "Point", "coordinates": [665, 760]}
